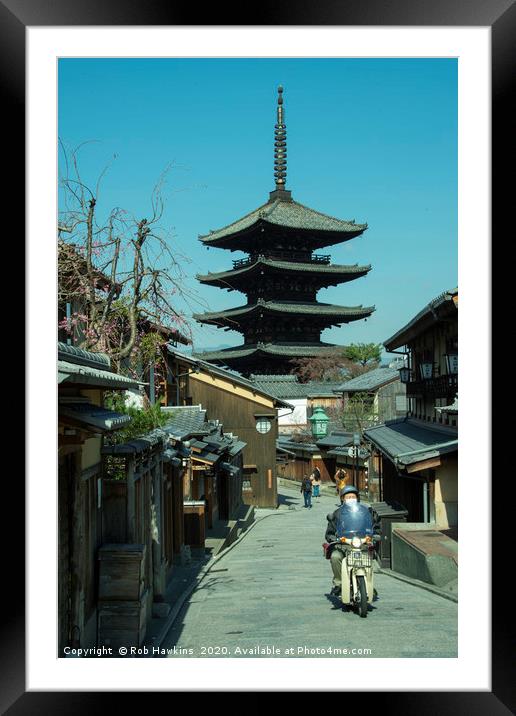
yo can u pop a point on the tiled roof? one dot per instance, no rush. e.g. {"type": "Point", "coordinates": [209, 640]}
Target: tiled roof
{"type": "Point", "coordinates": [291, 350]}
{"type": "Point", "coordinates": [410, 330]}
{"type": "Point", "coordinates": [92, 416]}
{"type": "Point", "coordinates": [157, 437]}
{"type": "Point", "coordinates": [288, 386]}
{"type": "Point", "coordinates": [227, 373]}
{"type": "Point", "coordinates": [336, 439]}
{"type": "Point", "coordinates": [295, 446]}
{"type": "Point", "coordinates": [287, 266]}
{"type": "Point", "coordinates": [236, 447]}
{"type": "Point", "coordinates": [72, 354]}
{"type": "Point", "coordinates": [85, 375]}
{"type": "Point", "coordinates": [75, 365]}
{"type": "Point", "coordinates": [184, 421]}
{"type": "Point", "coordinates": [288, 214]}
{"type": "Point", "coordinates": [311, 309]}
{"type": "Point", "coordinates": [322, 389]}
{"type": "Point", "coordinates": [406, 441]}
{"type": "Point", "coordinates": [371, 380]}
{"type": "Point", "coordinates": [265, 378]}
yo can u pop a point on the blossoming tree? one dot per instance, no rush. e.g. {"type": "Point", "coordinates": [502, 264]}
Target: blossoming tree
{"type": "Point", "coordinates": [118, 276]}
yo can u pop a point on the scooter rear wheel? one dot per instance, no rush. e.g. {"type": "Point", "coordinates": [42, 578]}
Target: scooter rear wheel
{"type": "Point", "coordinates": [362, 604]}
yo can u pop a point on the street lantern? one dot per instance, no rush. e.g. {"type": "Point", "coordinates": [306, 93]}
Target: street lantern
{"type": "Point", "coordinates": [405, 374]}
{"type": "Point", "coordinates": [319, 423]}
{"type": "Point", "coordinates": [426, 370]}
{"type": "Point", "coordinates": [452, 363]}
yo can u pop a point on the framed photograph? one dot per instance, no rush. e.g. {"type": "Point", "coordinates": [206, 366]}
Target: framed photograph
{"type": "Point", "coordinates": [94, 83]}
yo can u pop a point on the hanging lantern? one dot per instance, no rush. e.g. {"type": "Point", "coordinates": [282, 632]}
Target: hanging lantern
{"type": "Point", "coordinates": [426, 370]}
{"type": "Point", "coordinates": [405, 374]}
{"type": "Point", "coordinates": [452, 363]}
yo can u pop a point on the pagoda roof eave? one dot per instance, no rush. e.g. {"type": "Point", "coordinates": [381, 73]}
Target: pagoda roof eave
{"type": "Point", "coordinates": [286, 215]}
{"type": "Point", "coordinates": [321, 310]}
{"type": "Point", "coordinates": [324, 270]}
{"type": "Point", "coordinates": [269, 349]}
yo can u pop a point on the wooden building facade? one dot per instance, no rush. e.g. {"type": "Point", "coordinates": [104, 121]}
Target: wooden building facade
{"type": "Point", "coordinates": [82, 421]}
{"type": "Point", "coordinates": [417, 456]}
{"type": "Point", "coordinates": [247, 412]}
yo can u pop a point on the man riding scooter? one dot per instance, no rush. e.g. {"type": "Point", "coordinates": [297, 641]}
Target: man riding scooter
{"type": "Point", "coordinates": [348, 495]}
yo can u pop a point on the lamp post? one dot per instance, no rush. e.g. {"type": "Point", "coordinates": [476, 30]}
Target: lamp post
{"type": "Point", "coordinates": [319, 423]}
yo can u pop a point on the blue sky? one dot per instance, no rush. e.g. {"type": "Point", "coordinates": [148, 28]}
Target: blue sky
{"type": "Point", "coordinates": [373, 140]}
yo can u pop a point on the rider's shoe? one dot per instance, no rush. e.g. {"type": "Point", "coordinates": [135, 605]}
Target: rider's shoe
{"type": "Point", "coordinates": [336, 591]}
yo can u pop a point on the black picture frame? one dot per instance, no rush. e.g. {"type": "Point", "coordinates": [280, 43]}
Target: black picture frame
{"type": "Point", "coordinates": [15, 16]}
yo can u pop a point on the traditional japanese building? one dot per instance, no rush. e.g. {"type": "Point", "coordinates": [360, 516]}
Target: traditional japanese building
{"type": "Point", "coordinates": [282, 319]}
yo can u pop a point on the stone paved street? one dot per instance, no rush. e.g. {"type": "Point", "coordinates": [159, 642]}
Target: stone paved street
{"type": "Point", "coordinates": [272, 590]}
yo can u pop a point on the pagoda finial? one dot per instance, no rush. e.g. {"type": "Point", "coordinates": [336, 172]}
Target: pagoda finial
{"type": "Point", "coordinates": [280, 144]}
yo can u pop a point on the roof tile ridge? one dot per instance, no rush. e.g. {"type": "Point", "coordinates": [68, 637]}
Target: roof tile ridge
{"type": "Point", "coordinates": [237, 221]}
{"type": "Point", "coordinates": [314, 303]}
{"type": "Point", "coordinates": [351, 268]}
{"type": "Point", "coordinates": [328, 216]}
{"type": "Point", "coordinates": [315, 265]}
{"type": "Point", "coordinates": [269, 207]}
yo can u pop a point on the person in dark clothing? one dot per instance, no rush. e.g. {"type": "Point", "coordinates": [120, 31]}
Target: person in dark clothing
{"type": "Point", "coordinates": [347, 494]}
{"type": "Point", "coordinates": [306, 489]}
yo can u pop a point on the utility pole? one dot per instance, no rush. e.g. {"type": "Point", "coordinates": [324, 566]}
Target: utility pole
{"type": "Point", "coordinates": [356, 443]}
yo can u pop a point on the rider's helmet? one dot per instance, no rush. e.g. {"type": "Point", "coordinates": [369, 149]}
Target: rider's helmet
{"type": "Point", "coordinates": [347, 490]}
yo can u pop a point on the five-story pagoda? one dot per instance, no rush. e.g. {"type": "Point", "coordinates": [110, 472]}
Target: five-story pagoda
{"type": "Point", "coordinates": [282, 319]}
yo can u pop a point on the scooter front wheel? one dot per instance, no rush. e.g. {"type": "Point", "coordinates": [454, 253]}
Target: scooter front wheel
{"type": "Point", "coordinates": [362, 604]}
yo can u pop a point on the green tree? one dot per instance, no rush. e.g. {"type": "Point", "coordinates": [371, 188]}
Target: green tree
{"type": "Point", "coordinates": [143, 420]}
{"type": "Point", "coordinates": [358, 413]}
{"type": "Point", "coordinates": [365, 354]}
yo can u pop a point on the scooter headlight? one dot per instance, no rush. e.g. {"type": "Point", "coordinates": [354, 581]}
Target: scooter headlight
{"type": "Point", "coordinates": [356, 542]}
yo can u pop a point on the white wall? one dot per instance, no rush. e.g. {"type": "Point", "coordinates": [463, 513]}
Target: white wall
{"type": "Point", "coordinates": [287, 418]}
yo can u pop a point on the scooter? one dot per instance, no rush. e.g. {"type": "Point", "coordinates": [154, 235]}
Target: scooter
{"type": "Point", "coordinates": [356, 534]}
{"type": "Point", "coordinates": [357, 589]}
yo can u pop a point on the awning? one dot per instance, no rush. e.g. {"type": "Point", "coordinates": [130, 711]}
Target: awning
{"type": "Point", "coordinates": [93, 416]}
{"type": "Point", "coordinates": [407, 443]}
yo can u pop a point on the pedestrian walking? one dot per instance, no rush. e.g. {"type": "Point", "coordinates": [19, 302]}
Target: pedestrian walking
{"type": "Point", "coordinates": [306, 489]}
{"type": "Point", "coordinates": [316, 484]}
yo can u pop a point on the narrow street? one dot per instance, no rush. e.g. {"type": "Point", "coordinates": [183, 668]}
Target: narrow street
{"type": "Point", "coordinates": [272, 590]}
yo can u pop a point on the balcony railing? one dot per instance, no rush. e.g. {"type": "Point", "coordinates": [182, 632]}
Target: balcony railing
{"type": "Point", "coordinates": [300, 257]}
{"type": "Point", "coordinates": [440, 387]}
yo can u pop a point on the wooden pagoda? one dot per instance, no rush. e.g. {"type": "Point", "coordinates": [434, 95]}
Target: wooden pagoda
{"type": "Point", "coordinates": [282, 319]}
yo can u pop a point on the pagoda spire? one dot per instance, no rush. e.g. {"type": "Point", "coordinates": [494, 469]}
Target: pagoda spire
{"type": "Point", "coordinates": [280, 151]}
{"type": "Point", "coordinates": [280, 143]}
